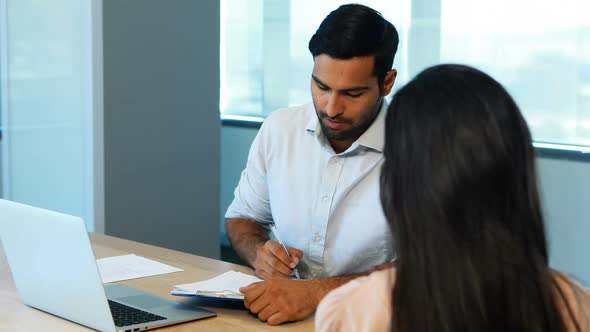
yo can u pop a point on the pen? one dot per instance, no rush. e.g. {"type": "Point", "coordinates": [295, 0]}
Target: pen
{"type": "Point", "coordinates": [275, 231]}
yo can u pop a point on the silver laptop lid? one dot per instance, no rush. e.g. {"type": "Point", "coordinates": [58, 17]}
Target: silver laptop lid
{"type": "Point", "coordinates": [53, 264]}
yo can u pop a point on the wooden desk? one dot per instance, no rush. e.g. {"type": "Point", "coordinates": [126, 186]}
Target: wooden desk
{"type": "Point", "coordinates": [15, 316]}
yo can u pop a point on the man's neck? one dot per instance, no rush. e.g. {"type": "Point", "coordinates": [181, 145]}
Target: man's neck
{"type": "Point", "coordinates": [341, 146]}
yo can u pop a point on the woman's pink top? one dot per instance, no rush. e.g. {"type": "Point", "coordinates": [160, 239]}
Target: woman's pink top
{"type": "Point", "coordinates": [364, 304]}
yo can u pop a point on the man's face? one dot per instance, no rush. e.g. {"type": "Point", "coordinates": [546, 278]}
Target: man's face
{"type": "Point", "coordinates": [346, 96]}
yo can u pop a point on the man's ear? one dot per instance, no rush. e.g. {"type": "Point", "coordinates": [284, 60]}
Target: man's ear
{"type": "Point", "coordinates": [388, 82]}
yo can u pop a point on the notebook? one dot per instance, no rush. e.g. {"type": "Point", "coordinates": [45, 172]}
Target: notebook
{"type": "Point", "coordinates": [224, 286]}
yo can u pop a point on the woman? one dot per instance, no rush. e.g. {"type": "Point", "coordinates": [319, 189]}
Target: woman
{"type": "Point", "coordinates": [459, 189]}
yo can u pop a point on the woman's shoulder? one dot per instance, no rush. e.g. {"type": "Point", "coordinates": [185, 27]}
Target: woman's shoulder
{"type": "Point", "coordinates": [577, 300]}
{"type": "Point", "coordinates": [362, 304]}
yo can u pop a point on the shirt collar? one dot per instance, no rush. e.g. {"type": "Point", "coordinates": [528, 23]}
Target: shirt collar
{"type": "Point", "coordinates": [372, 138]}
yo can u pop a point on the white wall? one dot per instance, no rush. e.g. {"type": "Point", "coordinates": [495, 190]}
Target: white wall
{"type": "Point", "coordinates": [565, 187]}
{"type": "Point", "coordinates": [235, 144]}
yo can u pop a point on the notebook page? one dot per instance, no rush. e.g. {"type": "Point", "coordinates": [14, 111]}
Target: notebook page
{"type": "Point", "coordinates": [230, 281]}
{"type": "Point", "coordinates": [127, 267]}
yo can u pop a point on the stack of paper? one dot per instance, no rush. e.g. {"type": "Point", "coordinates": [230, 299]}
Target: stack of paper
{"type": "Point", "coordinates": [226, 285]}
{"type": "Point", "coordinates": [127, 267]}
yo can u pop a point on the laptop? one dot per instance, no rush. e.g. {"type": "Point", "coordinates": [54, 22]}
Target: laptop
{"type": "Point", "coordinates": [54, 269]}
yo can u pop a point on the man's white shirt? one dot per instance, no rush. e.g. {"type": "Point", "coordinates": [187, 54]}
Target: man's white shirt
{"type": "Point", "coordinates": [323, 203]}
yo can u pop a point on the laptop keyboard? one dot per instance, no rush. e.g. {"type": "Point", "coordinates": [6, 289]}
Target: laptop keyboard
{"type": "Point", "coordinates": [126, 315]}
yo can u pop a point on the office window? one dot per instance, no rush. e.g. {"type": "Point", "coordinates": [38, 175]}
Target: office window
{"type": "Point", "coordinates": [46, 98]}
{"type": "Point", "coordinates": [538, 49]}
{"type": "Point", "coordinates": [265, 62]}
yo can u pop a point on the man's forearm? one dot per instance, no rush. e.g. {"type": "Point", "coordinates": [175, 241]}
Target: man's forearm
{"type": "Point", "coordinates": [246, 237]}
{"type": "Point", "coordinates": [325, 285]}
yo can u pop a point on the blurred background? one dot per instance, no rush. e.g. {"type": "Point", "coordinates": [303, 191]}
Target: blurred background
{"type": "Point", "coordinates": [137, 115]}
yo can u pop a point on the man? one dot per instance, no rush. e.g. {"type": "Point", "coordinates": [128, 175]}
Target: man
{"type": "Point", "coordinates": [313, 171]}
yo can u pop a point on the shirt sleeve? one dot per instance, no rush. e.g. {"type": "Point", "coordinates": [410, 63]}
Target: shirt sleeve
{"type": "Point", "coordinates": [251, 198]}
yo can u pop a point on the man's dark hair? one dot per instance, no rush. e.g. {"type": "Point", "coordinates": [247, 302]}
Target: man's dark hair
{"type": "Point", "coordinates": [355, 30]}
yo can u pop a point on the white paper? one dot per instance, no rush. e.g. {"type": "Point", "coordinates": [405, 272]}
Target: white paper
{"type": "Point", "coordinates": [127, 267]}
{"type": "Point", "coordinates": [230, 281]}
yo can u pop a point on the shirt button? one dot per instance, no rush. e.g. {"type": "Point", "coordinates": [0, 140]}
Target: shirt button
{"type": "Point", "coordinates": [325, 198]}
{"type": "Point", "coordinates": [317, 238]}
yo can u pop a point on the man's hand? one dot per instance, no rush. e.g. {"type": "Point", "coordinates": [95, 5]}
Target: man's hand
{"type": "Point", "coordinates": [273, 262]}
{"type": "Point", "coordinates": [278, 301]}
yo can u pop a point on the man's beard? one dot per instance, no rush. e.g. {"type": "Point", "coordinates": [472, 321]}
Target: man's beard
{"type": "Point", "coordinates": [355, 131]}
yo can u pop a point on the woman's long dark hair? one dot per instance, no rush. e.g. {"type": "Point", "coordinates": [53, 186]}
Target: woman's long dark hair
{"type": "Point", "coordinates": [459, 189]}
